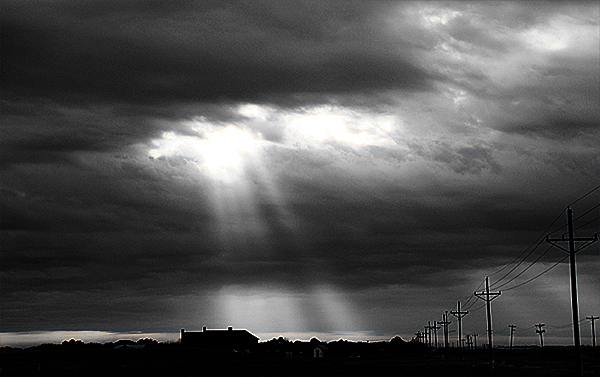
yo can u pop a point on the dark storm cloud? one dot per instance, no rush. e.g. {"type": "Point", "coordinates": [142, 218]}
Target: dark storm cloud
{"type": "Point", "coordinates": [208, 53]}
{"type": "Point", "coordinates": [466, 128]}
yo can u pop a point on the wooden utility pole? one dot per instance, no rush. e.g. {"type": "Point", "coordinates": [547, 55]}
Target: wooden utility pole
{"type": "Point", "coordinates": [512, 331]}
{"type": "Point", "coordinates": [418, 337]}
{"type": "Point", "coordinates": [488, 296]}
{"type": "Point", "coordinates": [435, 329]}
{"type": "Point", "coordinates": [459, 314]}
{"type": "Point", "coordinates": [540, 330]}
{"type": "Point", "coordinates": [573, 272]}
{"type": "Point", "coordinates": [592, 318]}
{"type": "Point", "coordinates": [445, 324]}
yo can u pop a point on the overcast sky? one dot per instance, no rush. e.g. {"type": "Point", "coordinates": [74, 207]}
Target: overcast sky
{"type": "Point", "coordinates": [336, 169]}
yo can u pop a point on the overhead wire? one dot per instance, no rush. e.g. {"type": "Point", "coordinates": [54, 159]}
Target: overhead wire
{"type": "Point", "coordinates": [537, 242]}
{"type": "Point", "coordinates": [526, 268]}
{"type": "Point", "coordinates": [588, 223]}
{"type": "Point", "coordinates": [471, 297]}
{"type": "Point", "coordinates": [588, 211]}
{"type": "Point", "coordinates": [538, 275]}
{"type": "Point", "coordinates": [578, 218]}
{"type": "Point", "coordinates": [585, 195]}
{"type": "Point", "coordinates": [496, 286]}
{"type": "Point", "coordinates": [478, 308]}
{"type": "Point", "coordinates": [566, 325]}
{"type": "Point", "coordinates": [517, 265]}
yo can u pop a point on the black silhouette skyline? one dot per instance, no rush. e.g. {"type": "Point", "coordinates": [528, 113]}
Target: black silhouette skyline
{"type": "Point", "coordinates": [337, 169]}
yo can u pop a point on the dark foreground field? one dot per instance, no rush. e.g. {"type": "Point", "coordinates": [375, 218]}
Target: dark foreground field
{"type": "Point", "coordinates": [176, 361]}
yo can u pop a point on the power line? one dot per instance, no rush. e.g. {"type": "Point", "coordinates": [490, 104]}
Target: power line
{"type": "Point", "coordinates": [478, 308]}
{"type": "Point", "coordinates": [527, 268]}
{"type": "Point", "coordinates": [517, 265]}
{"type": "Point", "coordinates": [471, 297]}
{"type": "Point", "coordinates": [566, 325]}
{"type": "Point", "coordinates": [588, 223]}
{"type": "Point", "coordinates": [573, 274]}
{"type": "Point", "coordinates": [579, 217]}
{"type": "Point", "coordinates": [541, 237]}
{"type": "Point", "coordinates": [583, 196]}
{"type": "Point", "coordinates": [538, 275]}
{"type": "Point", "coordinates": [488, 296]}
{"type": "Point", "coordinates": [588, 211]}
{"type": "Point", "coordinates": [539, 243]}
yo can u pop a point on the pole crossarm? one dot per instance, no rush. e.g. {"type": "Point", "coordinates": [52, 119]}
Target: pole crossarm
{"type": "Point", "coordinates": [592, 318]}
{"type": "Point", "coordinates": [512, 332]}
{"type": "Point", "coordinates": [572, 250]}
{"type": "Point", "coordinates": [540, 330]}
{"type": "Point", "coordinates": [487, 296]}
{"type": "Point", "coordinates": [588, 241]}
{"type": "Point", "coordinates": [459, 314]}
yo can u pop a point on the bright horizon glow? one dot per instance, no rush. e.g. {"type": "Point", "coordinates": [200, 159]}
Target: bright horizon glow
{"type": "Point", "coordinates": [272, 308]}
{"type": "Point", "coordinates": [36, 338]}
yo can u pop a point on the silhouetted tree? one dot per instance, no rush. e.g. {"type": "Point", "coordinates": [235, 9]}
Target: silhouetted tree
{"type": "Point", "coordinates": [72, 343]}
{"type": "Point", "coordinates": [147, 342]}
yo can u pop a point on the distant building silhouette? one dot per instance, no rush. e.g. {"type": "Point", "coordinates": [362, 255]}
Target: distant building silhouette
{"type": "Point", "coordinates": [224, 340]}
{"type": "Point", "coordinates": [320, 351]}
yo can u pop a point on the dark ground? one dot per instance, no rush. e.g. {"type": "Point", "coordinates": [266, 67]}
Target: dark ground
{"type": "Point", "coordinates": [177, 361]}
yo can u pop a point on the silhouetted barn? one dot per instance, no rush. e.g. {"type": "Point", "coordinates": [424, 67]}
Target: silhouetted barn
{"type": "Point", "coordinates": [226, 340]}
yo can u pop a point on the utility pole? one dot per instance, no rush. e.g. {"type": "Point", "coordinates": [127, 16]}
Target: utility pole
{"type": "Point", "coordinates": [435, 329]}
{"type": "Point", "coordinates": [587, 241]}
{"type": "Point", "coordinates": [540, 330]}
{"type": "Point", "coordinates": [418, 337]}
{"type": "Point", "coordinates": [459, 314]}
{"type": "Point", "coordinates": [512, 331]}
{"type": "Point", "coordinates": [488, 296]}
{"type": "Point", "coordinates": [445, 324]}
{"type": "Point", "coordinates": [470, 348]}
{"type": "Point", "coordinates": [475, 339]}
{"type": "Point", "coordinates": [592, 318]}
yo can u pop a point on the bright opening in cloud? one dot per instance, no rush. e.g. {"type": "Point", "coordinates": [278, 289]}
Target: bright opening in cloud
{"type": "Point", "coordinates": [357, 129]}
{"type": "Point", "coordinates": [435, 17]}
{"type": "Point", "coordinates": [222, 152]}
{"type": "Point", "coordinates": [547, 39]}
{"type": "Point", "coordinates": [254, 111]}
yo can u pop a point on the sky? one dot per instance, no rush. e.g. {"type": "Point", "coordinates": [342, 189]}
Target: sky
{"type": "Point", "coordinates": [339, 169]}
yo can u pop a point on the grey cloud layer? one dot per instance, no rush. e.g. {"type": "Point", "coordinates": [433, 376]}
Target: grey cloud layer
{"type": "Point", "coordinates": [484, 151]}
{"type": "Point", "coordinates": [223, 52]}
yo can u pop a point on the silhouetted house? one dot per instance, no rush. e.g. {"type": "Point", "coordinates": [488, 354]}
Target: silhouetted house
{"type": "Point", "coordinates": [320, 351]}
{"type": "Point", "coordinates": [225, 340]}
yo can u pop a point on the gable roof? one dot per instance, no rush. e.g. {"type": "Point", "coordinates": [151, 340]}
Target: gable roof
{"type": "Point", "coordinates": [230, 338]}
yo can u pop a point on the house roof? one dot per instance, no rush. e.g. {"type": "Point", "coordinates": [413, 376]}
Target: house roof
{"type": "Point", "coordinates": [229, 338]}
{"type": "Point", "coordinates": [220, 333]}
